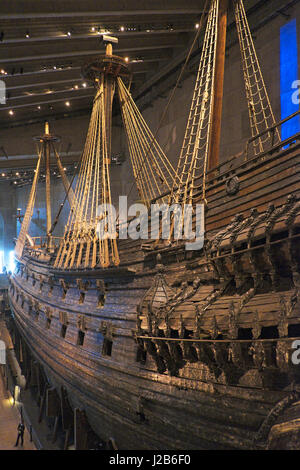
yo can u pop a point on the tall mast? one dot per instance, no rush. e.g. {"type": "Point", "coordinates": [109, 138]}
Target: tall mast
{"type": "Point", "coordinates": [215, 135]}
{"type": "Point", "coordinates": [109, 90]}
{"type": "Point", "coordinates": [46, 140]}
{"type": "Point", "coordinates": [90, 236]}
{"type": "Point", "coordinates": [48, 176]}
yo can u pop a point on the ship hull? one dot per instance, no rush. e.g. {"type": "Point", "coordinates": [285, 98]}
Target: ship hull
{"type": "Point", "coordinates": [138, 406]}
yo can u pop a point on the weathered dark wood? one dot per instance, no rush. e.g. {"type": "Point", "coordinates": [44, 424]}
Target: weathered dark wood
{"type": "Point", "coordinates": [214, 329]}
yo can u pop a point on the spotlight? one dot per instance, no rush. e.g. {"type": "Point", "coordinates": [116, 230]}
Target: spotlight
{"type": "Point", "coordinates": [76, 87]}
{"type": "Point", "coordinates": [84, 85]}
{"type": "Point", "coordinates": [27, 34]}
{"type": "Point", "coordinates": [122, 28]}
{"type": "Point", "coordinates": [126, 59]}
{"type": "Point", "coordinates": [67, 103]}
{"type": "Point", "coordinates": [93, 29]}
{"type": "Point", "coordinates": [11, 112]}
{"type": "Point", "coordinates": [69, 34]}
{"type": "Point", "coordinates": [197, 25]}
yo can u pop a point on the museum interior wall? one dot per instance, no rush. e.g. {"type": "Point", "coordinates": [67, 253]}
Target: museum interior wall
{"type": "Point", "coordinates": [235, 130]}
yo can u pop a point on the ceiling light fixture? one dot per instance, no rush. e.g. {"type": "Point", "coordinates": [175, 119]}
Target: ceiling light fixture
{"type": "Point", "coordinates": [197, 25]}
{"type": "Point", "coordinates": [84, 85]}
{"type": "Point", "coordinates": [67, 103]}
{"type": "Point", "coordinates": [11, 112]}
{"type": "Point", "coordinates": [122, 28]}
{"type": "Point", "coordinates": [27, 34]}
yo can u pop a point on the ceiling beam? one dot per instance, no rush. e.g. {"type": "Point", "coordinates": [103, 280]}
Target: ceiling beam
{"type": "Point", "coordinates": [95, 52]}
{"type": "Point", "coordinates": [120, 35]}
{"type": "Point", "coordinates": [31, 9]}
{"type": "Point", "coordinates": [42, 102]}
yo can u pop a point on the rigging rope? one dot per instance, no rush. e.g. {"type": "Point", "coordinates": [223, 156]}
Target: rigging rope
{"type": "Point", "coordinates": [29, 209]}
{"type": "Point", "coordinates": [194, 151]}
{"type": "Point", "coordinates": [260, 111]}
{"type": "Point", "coordinates": [153, 172]}
{"type": "Point", "coordinates": [201, 24]}
{"type": "Point", "coordinates": [81, 246]}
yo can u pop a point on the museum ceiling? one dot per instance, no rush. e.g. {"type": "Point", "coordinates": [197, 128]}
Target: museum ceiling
{"type": "Point", "coordinates": [43, 46]}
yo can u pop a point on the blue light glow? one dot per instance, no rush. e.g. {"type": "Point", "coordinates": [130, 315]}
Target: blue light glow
{"type": "Point", "coordinates": [11, 261]}
{"type": "Point", "coordinates": [288, 75]}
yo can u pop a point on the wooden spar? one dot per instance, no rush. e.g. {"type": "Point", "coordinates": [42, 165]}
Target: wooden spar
{"type": "Point", "coordinates": [109, 90]}
{"type": "Point", "coordinates": [215, 134]}
{"type": "Point", "coordinates": [65, 181]}
{"type": "Point", "coordinates": [46, 144]}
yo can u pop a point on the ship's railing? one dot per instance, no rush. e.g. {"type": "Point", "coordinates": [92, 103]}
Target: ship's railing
{"type": "Point", "coordinates": [252, 143]}
{"type": "Point", "coordinates": [44, 242]}
{"type": "Point", "coordinates": [245, 354]}
{"type": "Point", "coordinates": [235, 162]}
{"type": "Point", "coordinates": [216, 341]}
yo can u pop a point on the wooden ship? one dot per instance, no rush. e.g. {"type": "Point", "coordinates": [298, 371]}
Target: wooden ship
{"type": "Point", "coordinates": [140, 343]}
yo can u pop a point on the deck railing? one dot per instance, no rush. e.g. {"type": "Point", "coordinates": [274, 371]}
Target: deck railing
{"type": "Point", "coordinates": [44, 242]}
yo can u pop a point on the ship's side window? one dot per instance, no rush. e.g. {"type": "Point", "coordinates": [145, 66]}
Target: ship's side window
{"type": "Point", "coordinates": [64, 293]}
{"type": "Point", "coordinates": [141, 355]}
{"type": "Point", "coordinates": [80, 338]}
{"type": "Point", "coordinates": [81, 297]}
{"type": "Point", "coordinates": [63, 331]}
{"type": "Point", "coordinates": [107, 347]}
{"type": "Point", "coordinates": [101, 300]}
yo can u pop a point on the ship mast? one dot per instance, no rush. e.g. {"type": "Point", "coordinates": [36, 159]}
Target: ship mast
{"type": "Point", "coordinates": [81, 245]}
{"type": "Point", "coordinates": [218, 88]}
{"type": "Point", "coordinates": [90, 238]}
{"type": "Point", "coordinates": [48, 188]}
{"type": "Point", "coordinates": [45, 144]}
{"type": "Point", "coordinates": [200, 151]}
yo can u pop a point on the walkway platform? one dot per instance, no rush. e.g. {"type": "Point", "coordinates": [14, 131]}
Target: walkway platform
{"type": "Point", "coordinates": [9, 420]}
